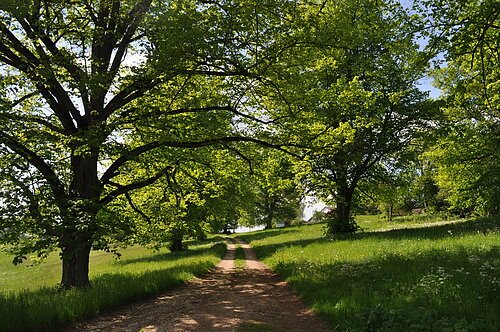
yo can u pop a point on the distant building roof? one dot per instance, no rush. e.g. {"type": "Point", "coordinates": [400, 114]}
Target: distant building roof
{"type": "Point", "coordinates": [326, 209]}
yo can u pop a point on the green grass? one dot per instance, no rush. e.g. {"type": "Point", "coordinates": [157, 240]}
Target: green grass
{"type": "Point", "coordinates": [30, 300]}
{"type": "Point", "coordinates": [379, 222]}
{"type": "Point", "coordinates": [427, 276]}
{"type": "Point", "coordinates": [239, 260]}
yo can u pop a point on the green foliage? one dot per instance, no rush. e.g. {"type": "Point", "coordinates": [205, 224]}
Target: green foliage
{"type": "Point", "coordinates": [277, 192]}
{"type": "Point", "coordinates": [201, 192]}
{"type": "Point", "coordinates": [466, 153]}
{"type": "Point", "coordinates": [100, 101]}
{"type": "Point", "coordinates": [427, 277]}
{"type": "Point", "coordinates": [406, 186]}
{"type": "Point", "coordinates": [335, 226]}
{"type": "Point", "coordinates": [96, 100]}
{"type": "Point", "coordinates": [356, 104]}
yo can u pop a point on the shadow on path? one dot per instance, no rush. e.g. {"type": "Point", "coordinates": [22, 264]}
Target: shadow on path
{"type": "Point", "coordinates": [228, 299]}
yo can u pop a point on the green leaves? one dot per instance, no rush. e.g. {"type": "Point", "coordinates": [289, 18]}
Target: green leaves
{"type": "Point", "coordinates": [352, 92]}
{"type": "Point", "coordinates": [467, 151]}
{"type": "Point", "coordinates": [19, 8]}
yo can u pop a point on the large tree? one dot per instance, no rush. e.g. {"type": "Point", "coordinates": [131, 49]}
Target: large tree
{"type": "Point", "coordinates": [467, 33]}
{"type": "Point", "coordinates": [74, 76]}
{"type": "Point", "coordinates": [277, 191]}
{"type": "Point", "coordinates": [352, 82]}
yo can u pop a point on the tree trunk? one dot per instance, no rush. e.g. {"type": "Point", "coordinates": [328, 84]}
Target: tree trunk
{"type": "Point", "coordinates": [75, 262]}
{"type": "Point", "coordinates": [344, 210]}
{"type": "Point", "coordinates": [270, 213]}
{"type": "Point", "coordinates": [389, 213]}
{"type": "Point", "coordinates": [226, 229]}
{"type": "Point", "coordinates": [85, 183]}
{"type": "Point", "coordinates": [176, 243]}
{"type": "Point", "coordinates": [269, 222]}
{"type": "Point", "coordinates": [342, 222]}
{"type": "Point", "coordinates": [81, 210]}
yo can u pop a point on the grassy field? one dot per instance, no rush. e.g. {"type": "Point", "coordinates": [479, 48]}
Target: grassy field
{"type": "Point", "coordinates": [400, 276]}
{"type": "Point", "coordinates": [30, 300]}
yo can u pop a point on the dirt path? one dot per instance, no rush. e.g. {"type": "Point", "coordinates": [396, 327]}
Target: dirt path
{"type": "Point", "coordinates": [227, 299]}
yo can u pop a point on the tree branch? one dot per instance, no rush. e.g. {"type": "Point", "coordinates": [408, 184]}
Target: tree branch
{"type": "Point", "coordinates": [134, 17]}
{"type": "Point", "coordinates": [47, 84]}
{"type": "Point", "coordinates": [242, 156]}
{"type": "Point", "coordinates": [136, 209]}
{"type": "Point", "coordinates": [35, 160]}
{"type": "Point", "coordinates": [34, 119]}
{"type": "Point", "coordinates": [79, 76]}
{"type": "Point", "coordinates": [131, 92]}
{"type": "Point", "coordinates": [123, 189]}
{"type": "Point", "coordinates": [130, 155]}
{"type": "Point", "coordinates": [111, 171]}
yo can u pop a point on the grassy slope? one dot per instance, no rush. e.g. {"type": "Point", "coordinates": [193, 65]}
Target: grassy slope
{"type": "Point", "coordinates": [30, 301]}
{"type": "Point", "coordinates": [433, 277]}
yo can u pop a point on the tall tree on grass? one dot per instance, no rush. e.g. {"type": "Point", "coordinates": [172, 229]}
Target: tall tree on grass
{"type": "Point", "coordinates": [352, 82]}
{"type": "Point", "coordinates": [278, 194]}
{"type": "Point", "coordinates": [466, 154]}
{"type": "Point", "coordinates": [73, 76]}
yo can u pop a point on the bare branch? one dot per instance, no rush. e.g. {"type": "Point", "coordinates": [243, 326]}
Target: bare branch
{"type": "Point", "coordinates": [79, 76]}
{"type": "Point", "coordinates": [135, 90]}
{"type": "Point", "coordinates": [22, 99]}
{"type": "Point", "coordinates": [242, 156]}
{"type": "Point", "coordinates": [17, 45]}
{"type": "Point", "coordinates": [47, 84]}
{"type": "Point", "coordinates": [111, 171]}
{"type": "Point", "coordinates": [134, 18]}
{"type": "Point", "coordinates": [216, 108]}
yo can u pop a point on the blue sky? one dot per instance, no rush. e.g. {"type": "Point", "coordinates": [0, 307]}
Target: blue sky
{"type": "Point", "coordinates": [425, 84]}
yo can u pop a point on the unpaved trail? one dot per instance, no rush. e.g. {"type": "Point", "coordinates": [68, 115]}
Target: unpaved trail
{"type": "Point", "coordinates": [227, 299]}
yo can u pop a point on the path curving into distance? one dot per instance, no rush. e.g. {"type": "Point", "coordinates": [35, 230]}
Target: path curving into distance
{"type": "Point", "coordinates": [226, 299]}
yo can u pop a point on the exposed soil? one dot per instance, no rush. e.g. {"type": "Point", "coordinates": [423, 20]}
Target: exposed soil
{"type": "Point", "coordinates": [227, 299]}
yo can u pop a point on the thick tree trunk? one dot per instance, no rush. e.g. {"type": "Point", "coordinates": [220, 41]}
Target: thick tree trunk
{"type": "Point", "coordinates": [75, 262]}
{"type": "Point", "coordinates": [85, 183]}
{"type": "Point", "coordinates": [270, 213]}
{"type": "Point", "coordinates": [176, 241]}
{"type": "Point", "coordinates": [342, 222]}
{"type": "Point", "coordinates": [344, 210]}
{"type": "Point", "coordinates": [81, 210]}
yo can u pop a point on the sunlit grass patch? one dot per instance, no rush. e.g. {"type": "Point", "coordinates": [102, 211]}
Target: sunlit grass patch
{"type": "Point", "coordinates": [437, 277]}
{"type": "Point", "coordinates": [240, 259]}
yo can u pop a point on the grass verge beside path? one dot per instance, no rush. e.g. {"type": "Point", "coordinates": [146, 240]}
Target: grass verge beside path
{"type": "Point", "coordinates": [138, 274]}
{"type": "Point", "coordinates": [436, 277]}
{"type": "Point", "coordinates": [240, 259]}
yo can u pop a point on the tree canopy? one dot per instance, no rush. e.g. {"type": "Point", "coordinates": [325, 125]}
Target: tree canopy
{"type": "Point", "coordinates": [147, 121]}
{"type": "Point", "coordinates": [82, 80]}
